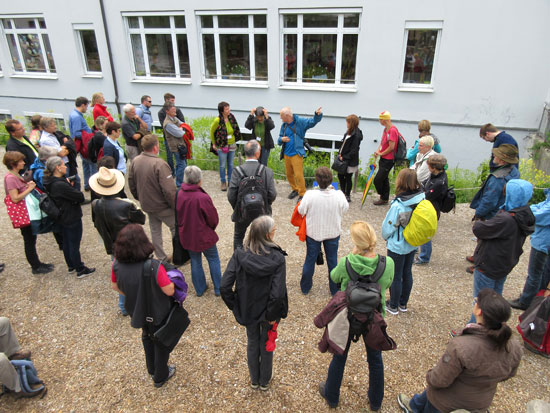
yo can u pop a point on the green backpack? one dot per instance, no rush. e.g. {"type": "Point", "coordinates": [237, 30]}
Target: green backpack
{"type": "Point", "coordinates": [422, 225]}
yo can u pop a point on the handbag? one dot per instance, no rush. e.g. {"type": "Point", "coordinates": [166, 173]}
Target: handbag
{"type": "Point", "coordinates": [339, 166]}
{"type": "Point", "coordinates": [179, 254]}
{"type": "Point", "coordinates": [17, 212]}
{"type": "Point", "coordinates": [215, 152]}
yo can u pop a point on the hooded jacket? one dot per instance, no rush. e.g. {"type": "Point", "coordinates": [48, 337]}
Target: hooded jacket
{"type": "Point", "coordinates": [435, 189]}
{"type": "Point", "coordinates": [260, 286]}
{"type": "Point", "coordinates": [37, 169]}
{"type": "Point", "coordinates": [490, 197]}
{"type": "Point", "coordinates": [501, 238]}
{"type": "Point", "coordinates": [392, 230]}
{"type": "Point", "coordinates": [350, 151]}
{"type": "Point", "coordinates": [540, 240]}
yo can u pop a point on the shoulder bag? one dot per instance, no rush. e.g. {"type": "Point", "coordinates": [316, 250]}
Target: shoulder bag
{"type": "Point", "coordinates": [179, 254]}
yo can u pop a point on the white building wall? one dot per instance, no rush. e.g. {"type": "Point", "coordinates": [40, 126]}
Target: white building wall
{"type": "Point", "coordinates": [492, 66]}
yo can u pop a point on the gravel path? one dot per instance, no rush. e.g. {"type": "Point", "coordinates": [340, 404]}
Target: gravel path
{"type": "Point", "coordinates": [92, 360]}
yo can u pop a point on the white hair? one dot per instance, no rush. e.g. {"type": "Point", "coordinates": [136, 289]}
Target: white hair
{"type": "Point", "coordinates": [427, 140]}
{"type": "Point", "coordinates": [286, 111]}
{"type": "Point", "coordinates": [127, 107]}
{"type": "Point", "coordinates": [192, 175]}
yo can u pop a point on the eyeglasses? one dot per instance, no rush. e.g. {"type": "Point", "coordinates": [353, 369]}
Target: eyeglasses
{"type": "Point", "coordinates": [149, 101]}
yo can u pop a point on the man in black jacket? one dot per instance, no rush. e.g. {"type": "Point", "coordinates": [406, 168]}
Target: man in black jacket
{"type": "Point", "coordinates": [169, 98]}
{"type": "Point", "coordinates": [18, 142]}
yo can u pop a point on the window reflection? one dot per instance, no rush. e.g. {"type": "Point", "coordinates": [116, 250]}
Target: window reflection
{"type": "Point", "coordinates": [419, 57]}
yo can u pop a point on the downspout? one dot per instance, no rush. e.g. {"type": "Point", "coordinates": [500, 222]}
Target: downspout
{"type": "Point", "coordinates": [109, 50]}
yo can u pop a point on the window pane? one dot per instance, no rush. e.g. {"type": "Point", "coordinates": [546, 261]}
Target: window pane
{"type": "Point", "coordinates": [183, 55]}
{"type": "Point", "coordinates": [160, 54]}
{"type": "Point", "coordinates": [162, 22]}
{"type": "Point", "coordinates": [32, 54]}
{"type": "Point", "coordinates": [7, 23]}
{"type": "Point", "coordinates": [233, 21]}
{"type": "Point", "coordinates": [137, 52]}
{"type": "Point", "coordinates": [420, 56]}
{"type": "Point", "coordinates": [291, 50]}
{"type": "Point", "coordinates": [319, 59]}
{"type": "Point", "coordinates": [320, 20]}
{"type": "Point", "coordinates": [179, 21]}
{"type": "Point", "coordinates": [260, 55]}
{"type": "Point", "coordinates": [207, 22]}
{"type": "Point", "coordinates": [14, 54]}
{"type": "Point", "coordinates": [235, 56]}
{"type": "Point", "coordinates": [49, 55]}
{"type": "Point", "coordinates": [351, 20]}
{"type": "Point", "coordinates": [133, 23]}
{"type": "Point", "coordinates": [24, 23]}
{"type": "Point", "coordinates": [4, 117]}
{"type": "Point", "coordinates": [349, 59]}
{"type": "Point", "coordinates": [91, 54]}
{"type": "Point", "coordinates": [42, 23]}
{"type": "Point", "coordinates": [290, 20]}
{"type": "Point", "coordinates": [209, 56]}
{"type": "Point", "coordinates": [260, 20]}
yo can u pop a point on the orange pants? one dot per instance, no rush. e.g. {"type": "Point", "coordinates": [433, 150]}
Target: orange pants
{"type": "Point", "coordinates": [295, 173]}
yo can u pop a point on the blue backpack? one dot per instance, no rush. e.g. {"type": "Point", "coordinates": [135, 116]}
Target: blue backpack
{"type": "Point", "coordinates": [28, 376]}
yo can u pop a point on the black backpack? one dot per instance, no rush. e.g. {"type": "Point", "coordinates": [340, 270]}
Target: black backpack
{"type": "Point", "coordinates": [363, 297]}
{"type": "Point", "coordinates": [449, 202]}
{"type": "Point", "coordinates": [401, 149]}
{"type": "Point", "coordinates": [49, 207]}
{"type": "Point", "coordinates": [251, 196]}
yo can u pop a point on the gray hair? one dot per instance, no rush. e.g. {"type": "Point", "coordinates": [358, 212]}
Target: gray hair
{"type": "Point", "coordinates": [46, 121]}
{"type": "Point", "coordinates": [167, 106]}
{"type": "Point", "coordinates": [52, 164]}
{"type": "Point", "coordinates": [286, 110]}
{"type": "Point", "coordinates": [427, 140]}
{"type": "Point", "coordinates": [256, 240]}
{"type": "Point", "coordinates": [192, 175]}
{"type": "Point", "coordinates": [127, 107]}
{"type": "Point", "coordinates": [46, 152]}
{"type": "Point", "coordinates": [251, 148]}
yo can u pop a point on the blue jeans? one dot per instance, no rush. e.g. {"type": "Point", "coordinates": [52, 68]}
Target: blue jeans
{"type": "Point", "coordinates": [197, 272]}
{"type": "Point", "coordinates": [181, 164]}
{"type": "Point", "coordinates": [89, 168]}
{"type": "Point", "coordinates": [401, 286]}
{"type": "Point", "coordinates": [481, 281]}
{"type": "Point", "coordinates": [72, 235]}
{"type": "Point", "coordinates": [264, 156]}
{"type": "Point", "coordinates": [331, 254]}
{"type": "Point", "coordinates": [170, 157]}
{"type": "Point", "coordinates": [425, 252]}
{"type": "Point", "coordinates": [121, 301]}
{"type": "Point", "coordinates": [376, 377]}
{"type": "Point", "coordinates": [538, 276]}
{"type": "Point", "coordinates": [226, 160]}
{"type": "Point", "coordinates": [420, 404]}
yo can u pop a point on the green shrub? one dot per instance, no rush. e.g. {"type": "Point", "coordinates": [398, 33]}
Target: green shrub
{"type": "Point", "coordinates": [538, 178]}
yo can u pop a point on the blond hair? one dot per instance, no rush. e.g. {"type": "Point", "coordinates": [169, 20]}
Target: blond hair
{"type": "Point", "coordinates": [427, 140]}
{"type": "Point", "coordinates": [363, 236]}
{"type": "Point", "coordinates": [95, 97]}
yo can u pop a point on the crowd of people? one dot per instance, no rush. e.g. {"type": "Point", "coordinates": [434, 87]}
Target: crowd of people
{"type": "Point", "coordinates": [253, 285]}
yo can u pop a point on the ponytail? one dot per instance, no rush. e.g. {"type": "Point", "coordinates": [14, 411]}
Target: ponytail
{"type": "Point", "coordinates": [495, 311]}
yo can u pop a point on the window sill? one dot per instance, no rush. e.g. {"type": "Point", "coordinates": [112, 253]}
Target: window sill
{"type": "Point", "coordinates": [34, 76]}
{"type": "Point", "coordinates": [92, 76]}
{"type": "Point", "coordinates": [162, 81]}
{"type": "Point", "coordinates": [322, 88]}
{"type": "Point", "coordinates": [227, 83]}
{"type": "Point", "coordinates": [415, 89]}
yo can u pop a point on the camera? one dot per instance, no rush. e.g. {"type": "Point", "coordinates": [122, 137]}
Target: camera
{"type": "Point", "coordinates": [182, 151]}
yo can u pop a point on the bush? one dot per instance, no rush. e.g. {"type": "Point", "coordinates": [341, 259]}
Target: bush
{"type": "Point", "coordinates": [538, 178]}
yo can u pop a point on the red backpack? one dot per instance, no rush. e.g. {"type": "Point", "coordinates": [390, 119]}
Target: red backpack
{"type": "Point", "coordinates": [82, 143]}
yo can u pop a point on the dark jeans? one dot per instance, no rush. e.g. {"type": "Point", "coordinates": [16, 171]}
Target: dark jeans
{"type": "Point", "coordinates": [72, 235]}
{"type": "Point", "coordinates": [538, 276]}
{"type": "Point", "coordinates": [30, 247]}
{"type": "Point", "coordinates": [376, 376]}
{"type": "Point", "coordinates": [260, 361]}
{"type": "Point", "coordinates": [238, 235]}
{"type": "Point", "coordinates": [381, 181]}
{"type": "Point", "coordinates": [156, 355]}
{"type": "Point", "coordinates": [170, 157]}
{"type": "Point", "coordinates": [420, 404]}
{"type": "Point", "coordinates": [346, 183]}
{"type": "Point", "coordinates": [401, 286]}
{"type": "Point", "coordinates": [313, 249]}
{"type": "Point", "coordinates": [264, 156]}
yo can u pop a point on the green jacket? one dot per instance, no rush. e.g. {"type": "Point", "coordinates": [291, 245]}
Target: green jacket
{"type": "Point", "coordinates": [364, 266]}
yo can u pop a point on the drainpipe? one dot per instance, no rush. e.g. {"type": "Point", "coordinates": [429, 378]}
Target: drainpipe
{"type": "Point", "coordinates": [109, 50]}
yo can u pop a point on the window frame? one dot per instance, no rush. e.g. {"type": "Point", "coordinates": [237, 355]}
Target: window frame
{"type": "Point", "coordinates": [420, 25]}
{"type": "Point", "coordinates": [216, 31]}
{"type": "Point", "coordinates": [38, 31]}
{"type": "Point", "coordinates": [62, 124]}
{"type": "Point", "coordinates": [78, 29]}
{"type": "Point", "coordinates": [173, 31]}
{"type": "Point", "coordinates": [299, 30]}
{"type": "Point", "coordinates": [5, 112]}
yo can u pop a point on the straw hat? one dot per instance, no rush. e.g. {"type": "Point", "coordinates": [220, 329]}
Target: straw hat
{"type": "Point", "coordinates": [107, 181]}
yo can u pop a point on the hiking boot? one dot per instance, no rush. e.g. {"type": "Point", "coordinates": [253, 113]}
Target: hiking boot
{"type": "Point", "coordinates": [403, 402]}
{"type": "Point", "coordinates": [293, 194]}
{"type": "Point", "coordinates": [84, 272]}
{"type": "Point", "coordinates": [223, 186]}
{"type": "Point", "coordinates": [470, 258]}
{"type": "Point", "coordinates": [322, 393]}
{"type": "Point", "coordinates": [517, 304]}
{"type": "Point", "coordinates": [470, 269]}
{"type": "Point", "coordinates": [390, 309]}
{"type": "Point", "coordinates": [21, 355]}
{"type": "Point", "coordinates": [418, 261]}
{"type": "Point", "coordinates": [42, 269]}
{"type": "Point", "coordinates": [381, 202]}
{"type": "Point", "coordinates": [171, 372]}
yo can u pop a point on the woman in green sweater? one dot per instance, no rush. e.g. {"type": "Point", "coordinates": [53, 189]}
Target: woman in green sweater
{"type": "Point", "coordinates": [224, 132]}
{"type": "Point", "coordinates": [363, 260]}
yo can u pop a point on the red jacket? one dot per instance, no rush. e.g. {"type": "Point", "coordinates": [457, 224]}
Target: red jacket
{"type": "Point", "coordinates": [101, 110]}
{"type": "Point", "coordinates": [197, 218]}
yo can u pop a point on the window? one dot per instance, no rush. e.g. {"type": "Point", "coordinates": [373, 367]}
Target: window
{"type": "Point", "coordinates": [158, 46]}
{"type": "Point", "coordinates": [420, 45]}
{"type": "Point", "coordinates": [5, 115]}
{"type": "Point", "coordinates": [88, 49]}
{"type": "Point", "coordinates": [319, 48]}
{"type": "Point", "coordinates": [234, 47]}
{"type": "Point", "coordinates": [61, 125]}
{"type": "Point", "coordinates": [29, 45]}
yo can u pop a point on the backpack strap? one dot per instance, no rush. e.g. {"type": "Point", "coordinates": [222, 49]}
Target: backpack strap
{"type": "Point", "coordinates": [375, 276]}
{"type": "Point", "coordinates": [146, 292]}
{"type": "Point", "coordinates": [259, 169]}
{"type": "Point", "coordinates": [353, 275]}
{"type": "Point", "coordinates": [241, 172]}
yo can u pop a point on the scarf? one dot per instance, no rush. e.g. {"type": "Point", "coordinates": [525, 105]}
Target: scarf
{"type": "Point", "coordinates": [220, 134]}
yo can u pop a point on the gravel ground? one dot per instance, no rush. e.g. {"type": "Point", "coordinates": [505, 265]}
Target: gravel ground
{"type": "Point", "coordinates": [92, 360]}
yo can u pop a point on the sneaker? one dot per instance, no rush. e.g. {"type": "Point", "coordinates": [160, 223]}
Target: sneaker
{"type": "Point", "coordinates": [517, 304]}
{"type": "Point", "coordinates": [42, 269]}
{"type": "Point", "coordinates": [470, 269]}
{"type": "Point", "coordinates": [254, 386]}
{"type": "Point", "coordinates": [381, 202]}
{"type": "Point", "coordinates": [418, 261]}
{"type": "Point", "coordinates": [470, 258]}
{"type": "Point", "coordinates": [403, 308]}
{"type": "Point", "coordinates": [264, 388]}
{"type": "Point", "coordinates": [85, 272]}
{"type": "Point", "coordinates": [348, 198]}
{"type": "Point", "coordinates": [322, 393]}
{"type": "Point", "coordinates": [403, 402]}
{"type": "Point", "coordinates": [171, 372]}
{"type": "Point", "coordinates": [71, 270]}
{"type": "Point", "coordinates": [48, 265]}
{"type": "Point", "coordinates": [293, 194]}
{"type": "Point", "coordinates": [390, 309]}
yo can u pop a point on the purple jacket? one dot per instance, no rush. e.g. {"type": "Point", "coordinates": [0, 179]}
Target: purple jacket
{"type": "Point", "coordinates": [197, 218]}
{"type": "Point", "coordinates": [180, 286]}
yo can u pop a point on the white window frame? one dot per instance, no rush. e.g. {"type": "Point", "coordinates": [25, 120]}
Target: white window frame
{"type": "Point", "coordinates": [142, 31]}
{"type": "Point", "coordinates": [78, 28]}
{"type": "Point", "coordinates": [340, 30]}
{"type": "Point", "coordinates": [57, 116]}
{"type": "Point", "coordinates": [37, 31]}
{"type": "Point", "coordinates": [216, 31]}
{"type": "Point", "coordinates": [6, 112]}
{"type": "Point", "coordinates": [420, 25]}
